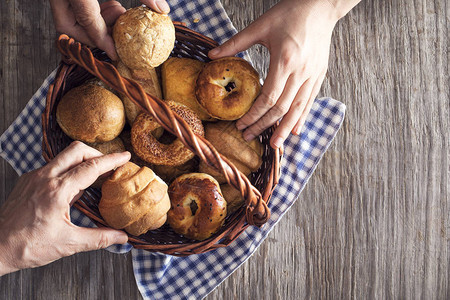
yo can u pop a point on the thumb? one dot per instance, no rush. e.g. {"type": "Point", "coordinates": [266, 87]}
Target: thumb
{"type": "Point", "coordinates": [239, 42]}
{"type": "Point", "coordinates": [89, 239]}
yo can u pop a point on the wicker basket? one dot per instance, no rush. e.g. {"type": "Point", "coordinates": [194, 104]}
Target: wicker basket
{"type": "Point", "coordinates": [80, 64]}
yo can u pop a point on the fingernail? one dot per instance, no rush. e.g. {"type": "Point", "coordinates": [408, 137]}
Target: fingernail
{"type": "Point", "coordinates": [278, 142]}
{"type": "Point", "coordinates": [214, 51]}
{"type": "Point", "coordinates": [163, 6]}
{"type": "Point", "coordinates": [240, 126]}
{"type": "Point", "coordinates": [248, 137]}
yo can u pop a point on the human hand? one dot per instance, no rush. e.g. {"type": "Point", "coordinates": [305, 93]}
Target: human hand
{"type": "Point", "coordinates": [35, 226]}
{"type": "Point", "coordinates": [297, 34]}
{"type": "Point", "coordinates": [90, 22]}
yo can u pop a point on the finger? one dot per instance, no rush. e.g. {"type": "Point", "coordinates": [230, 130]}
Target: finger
{"type": "Point", "coordinates": [277, 111]}
{"type": "Point", "coordinates": [87, 13]}
{"type": "Point", "coordinates": [239, 42]}
{"type": "Point", "coordinates": [73, 155]}
{"type": "Point", "coordinates": [88, 239]}
{"type": "Point", "coordinates": [110, 11]}
{"type": "Point", "coordinates": [301, 121]}
{"type": "Point", "coordinates": [160, 6]}
{"type": "Point", "coordinates": [291, 118]}
{"type": "Point", "coordinates": [84, 175]}
{"type": "Point", "coordinates": [272, 89]}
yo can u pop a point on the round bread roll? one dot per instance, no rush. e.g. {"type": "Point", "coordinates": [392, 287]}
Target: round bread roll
{"type": "Point", "coordinates": [147, 146]}
{"type": "Point", "coordinates": [178, 81]}
{"type": "Point", "coordinates": [143, 38]}
{"type": "Point", "coordinates": [91, 114]}
{"type": "Point", "coordinates": [197, 209]}
{"type": "Point", "coordinates": [228, 140]}
{"type": "Point", "coordinates": [226, 88]}
{"type": "Point", "coordinates": [134, 199]}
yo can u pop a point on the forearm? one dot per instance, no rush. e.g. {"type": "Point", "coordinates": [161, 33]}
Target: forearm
{"type": "Point", "coordinates": [6, 265]}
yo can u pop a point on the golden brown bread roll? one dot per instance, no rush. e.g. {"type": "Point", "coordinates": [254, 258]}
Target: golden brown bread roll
{"type": "Point", "coordinates": [149, 81]}
{"type": "Point", "coordinates": [178, 76]}
{"type": "Point", "coordinates": [143, 38]}
{"type": "Point", "coordinates": [228, 140]}
{"type": "Point", "coordinates": [233, 198]}
{"type": "Point", "coordinates": [226, 88]}
{"type": "Point", "coordinates": [134, 199]}
{"type": "Point", "coordinates": [91, 114]}
{"type": "Point", "coordinates": [197, 209]}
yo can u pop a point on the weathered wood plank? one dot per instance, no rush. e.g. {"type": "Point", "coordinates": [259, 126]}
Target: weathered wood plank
{"type": "Point", "coordinates": [373, 222]}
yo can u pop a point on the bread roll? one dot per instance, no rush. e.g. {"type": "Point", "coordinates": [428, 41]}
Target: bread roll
{"type": "Point", "coordinates": [91, 114]}
{"type": "Point", "coordinates": [149, 81]}
{"type": "Point", "coordinates": [233, 198]}
{"type": "Point", "coordinates": [134, 199]}
{"type": "Point", "coordinates": [178, 76]}
{"type": "Point", "coordinates": [227, 87]}
{"type": "Point", "coordinates": [143, 38]}
{"type": "Point", "coordinates": [198, 209]}
{"type": "Point", "coordinates": [228, 140]}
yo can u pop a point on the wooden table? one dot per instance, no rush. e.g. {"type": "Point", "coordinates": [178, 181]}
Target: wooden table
{"type": "Point", "coordinates": [373, 222]}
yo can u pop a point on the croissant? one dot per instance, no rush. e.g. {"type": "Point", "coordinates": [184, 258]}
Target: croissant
{"type": "Point", "coordinates": [135, 199]}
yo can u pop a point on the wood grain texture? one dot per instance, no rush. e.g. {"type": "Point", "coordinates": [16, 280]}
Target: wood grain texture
{"type": "Point", "coordinates": [373, 222]}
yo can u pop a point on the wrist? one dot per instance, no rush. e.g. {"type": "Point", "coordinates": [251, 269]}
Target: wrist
{"type": "Point", "coordinates": [6, 260]}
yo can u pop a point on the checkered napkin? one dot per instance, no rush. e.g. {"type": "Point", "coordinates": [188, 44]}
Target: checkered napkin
{"type": "Point", "coordinates": [160, 276]}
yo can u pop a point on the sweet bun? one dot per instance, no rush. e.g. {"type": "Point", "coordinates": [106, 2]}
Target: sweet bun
{"type": "Point", "coordinates": [226, 88]}
{"type": "Point", "coordinates": [228, 140]}
{"type": "Point", "coordinates": [198, 208]}
{"type": "Point", "coordinates": [91, 114]}
{"type": "Point", "coordinates": [178, 76]}
{"type": "Point", "coordinates": [147, 146]}
{"type": "Point", "coordinates": [134, 199]}
{"type": "Point", "coordinates": [147, 78]}
{"type": "Point", "coordinates": [143, 38]}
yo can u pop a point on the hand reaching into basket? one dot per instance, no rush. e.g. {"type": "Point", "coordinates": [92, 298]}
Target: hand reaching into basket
{"type": "Point", "coordinates": [90, 22]}
{"type": "Point", "coordinates": [35, 226]}
{"type": "Point", "coordinates": [297, 34]}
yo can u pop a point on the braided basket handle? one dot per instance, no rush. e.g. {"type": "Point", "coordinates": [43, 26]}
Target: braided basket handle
{"type": "Point", "coordinates": [257, 211]}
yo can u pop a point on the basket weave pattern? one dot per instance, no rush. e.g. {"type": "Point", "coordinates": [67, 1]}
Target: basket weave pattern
{"type": "Point", "coordinates": [80, 63]}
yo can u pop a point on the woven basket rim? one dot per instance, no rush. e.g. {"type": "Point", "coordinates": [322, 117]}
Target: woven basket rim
{"type": "Point", "coordinates": [81, 55]}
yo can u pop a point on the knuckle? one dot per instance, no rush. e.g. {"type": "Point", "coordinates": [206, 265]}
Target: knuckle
{"type": "Point", "coordinates": [93, 163]}
{"type": "Point", "coordinates": [280, 109]}
{"type": "Point", "coordinates": [270, 99]}
{"type": "Point", "coordinates": [103, 241]}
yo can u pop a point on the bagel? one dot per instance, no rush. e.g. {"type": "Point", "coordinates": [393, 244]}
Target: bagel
{"type": "Point", "coordinates": [226, 88]}
{"type": "Point", "coordinates": [147, 146]}
{"type": "Point", "coordinates": [198, 208]}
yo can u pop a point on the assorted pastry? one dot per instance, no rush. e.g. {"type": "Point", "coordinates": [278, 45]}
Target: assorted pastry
{"type": "Point", "coordinates": [165, 182]}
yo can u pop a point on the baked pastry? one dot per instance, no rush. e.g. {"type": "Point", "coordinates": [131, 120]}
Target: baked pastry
{"type": "Point", "coordinates": [233, 198]}
{"type": "Point", "coordinates": [147, 78]}
{"type": "Point", "coordinates": [178, 76]}
{"type": "Point", "coordinates": [197, 206]}
{"type": "Point", "coordinates": [226, 88]}
{"type": "Point", "coordinates": [228, 140]}
{"type": "Point", "coordinates": [147, 146]}
{"type": "Point", "coordinates": [143, 38]}
{"type": "Point", "coordinates": [134, 199]}
{"type": "Point", "coordinates": [91, 114]}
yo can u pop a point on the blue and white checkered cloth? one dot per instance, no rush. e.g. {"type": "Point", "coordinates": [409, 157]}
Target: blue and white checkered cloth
{"type": "Point", "coordinates": [160, 276]}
